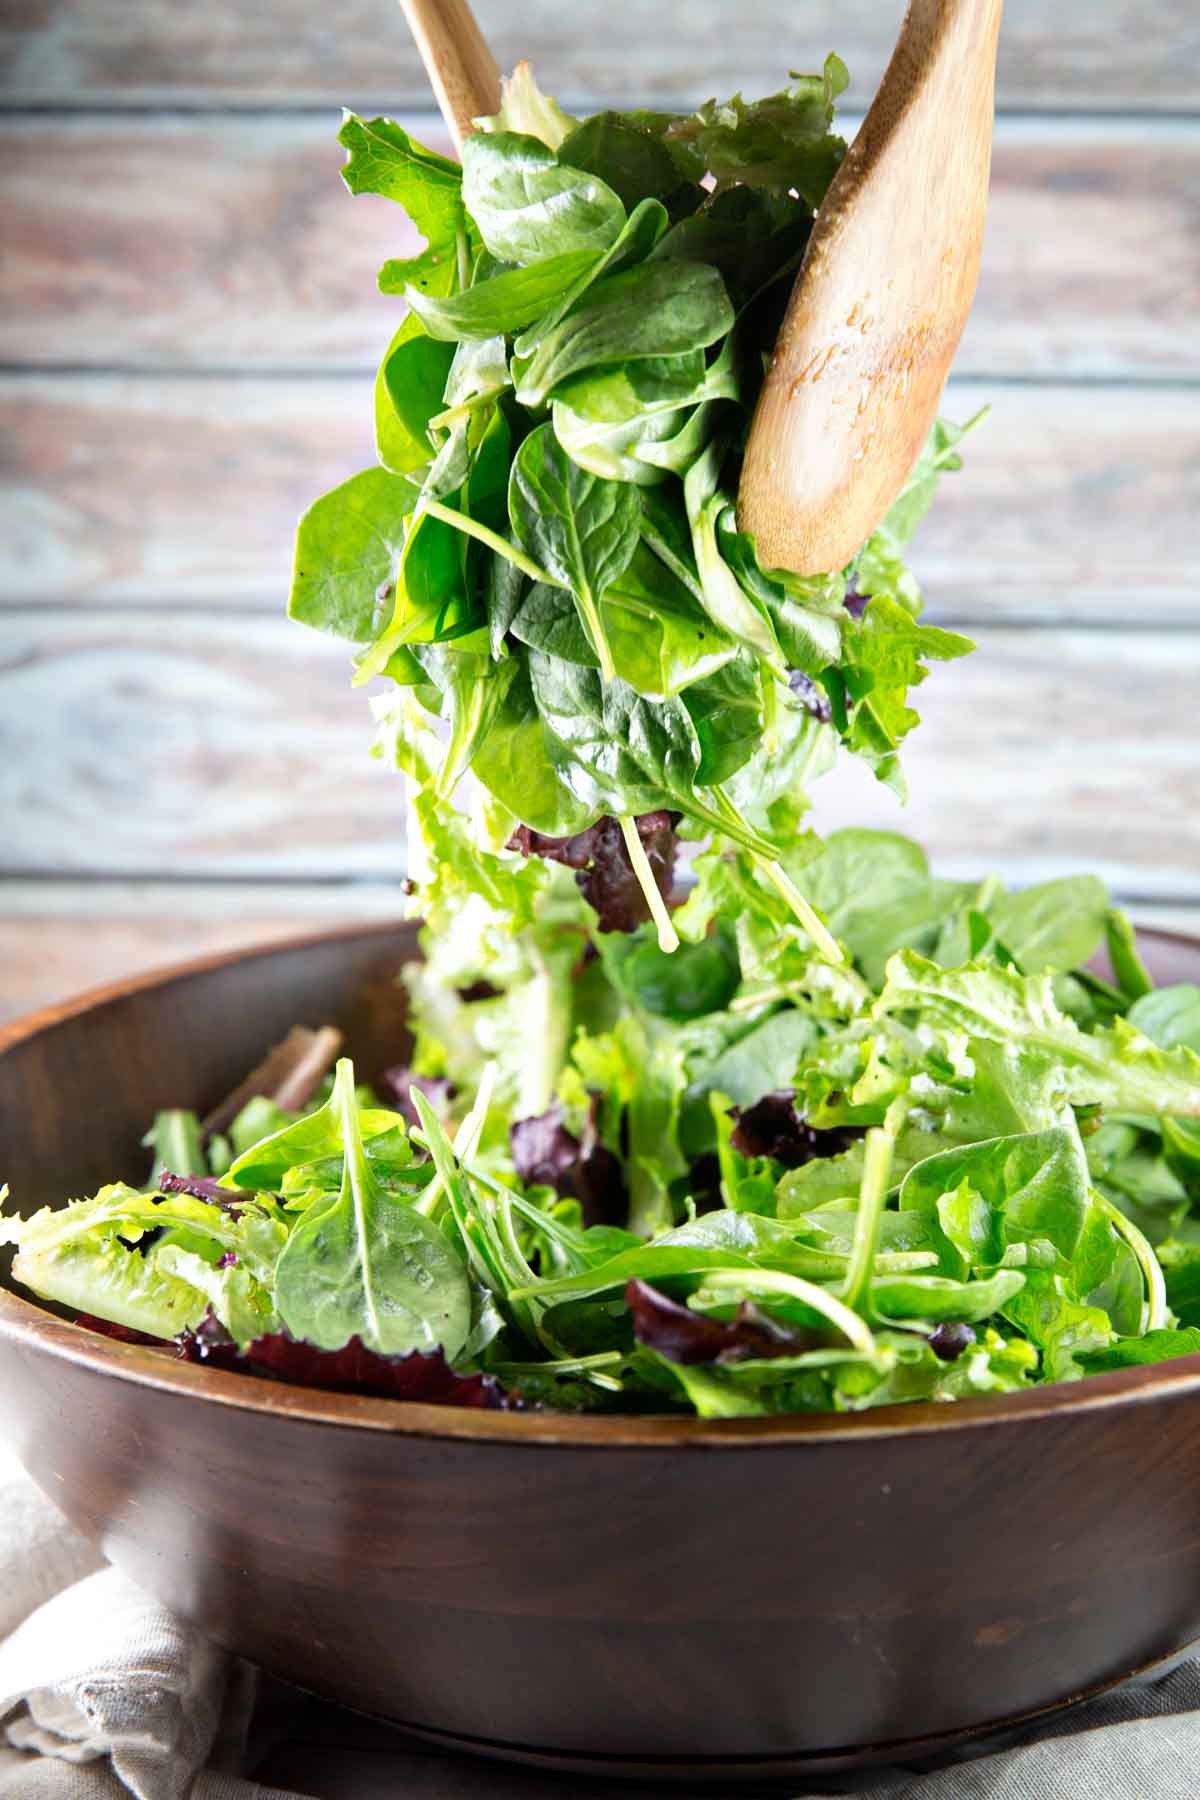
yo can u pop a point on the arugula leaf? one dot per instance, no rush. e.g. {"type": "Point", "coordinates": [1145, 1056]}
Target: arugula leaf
{"type": "Point", "coordinates": [384, 160]}
{"type": "Point", "coordinates": [884, 656]}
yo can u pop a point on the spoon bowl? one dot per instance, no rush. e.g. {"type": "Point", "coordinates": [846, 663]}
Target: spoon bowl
{"type": "Point", "coordinates": [880, 301]}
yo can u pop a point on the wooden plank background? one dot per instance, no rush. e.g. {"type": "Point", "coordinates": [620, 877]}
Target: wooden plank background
{"type": "Point", "coordinates": [188, 326]}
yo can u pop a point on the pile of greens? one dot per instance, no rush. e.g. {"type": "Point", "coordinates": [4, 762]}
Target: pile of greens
{"type": "Point", "coordinates": [739, 1179]}
{"type": "Point", "coordinates": [826, 1131]}
{"type": "Point", "coordinates": [546, 567]}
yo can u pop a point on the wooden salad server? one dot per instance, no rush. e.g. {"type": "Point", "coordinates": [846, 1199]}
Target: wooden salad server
{"type": "Point", "coordinates": [880, 301]}
{"type": "Point", "coordinates": [457, 60]}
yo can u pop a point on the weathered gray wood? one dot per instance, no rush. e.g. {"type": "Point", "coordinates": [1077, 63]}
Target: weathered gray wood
{"type": "Point", "coordinates": [1075, 503]}
{"type": "Point", "coordinates": [232, 745]}
{"type": "Point", "coordinates": [58, 938]}
{"type": "Point", "coordinates": [1077, 54]}
{"type": "Point", "coordinates": [223, 243]}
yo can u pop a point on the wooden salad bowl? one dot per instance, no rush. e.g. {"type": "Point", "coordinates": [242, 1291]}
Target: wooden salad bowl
{"type": "Point", "coordinates": [664, 1596]}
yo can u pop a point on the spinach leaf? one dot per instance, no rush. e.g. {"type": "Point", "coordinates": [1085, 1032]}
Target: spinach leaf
{"type": "Point", "coordinates": [1121, 941]}
{"type": "Point", "coordinates": [1130, 1353]}
{"type": "Point", "coordinates": [348, 548]}
{"type": "Point", "coordinates": [412, 379]}
{"type": "Point", "coordinates": [527, 205]}
{"type": "Point", "coordinates": [632, 162]}
{"type": "Point", "coordinates": [1170, 1016]}
{"type": "Point", "coordinates": [658, 309]}
{"type": "Point", "coordinates": [1055, 925]}
{"type": "Point", "coordinates": [633, 243]}
{"type": "Point", "coordinates": [502, 304]}
{"type": "Point", "coordinates": [659, 640]}
{"type": "Point", "coordinates": [366, 1265]}
{"type": "Point", "coordinates": [581, 529]}
{"type": "Point", "coordinates": [514, 763]}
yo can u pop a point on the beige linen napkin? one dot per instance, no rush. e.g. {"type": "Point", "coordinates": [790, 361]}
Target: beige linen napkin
{"type": "Point", "coordinates": [102, 1692]}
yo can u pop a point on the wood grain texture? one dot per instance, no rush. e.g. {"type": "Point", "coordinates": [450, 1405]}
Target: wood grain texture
{"type": "Point", "coordinates": [880, 302]}
{"type": "Point", "coordinates": [157, 241]}
{"type": "Point", "coordinates": [1077, 55]}
{"type": "Point", "coordinates": [59, 938]}
{"type": "Point", "coordinates": [234, 746]}
{"type": "Point", "coordinates": [1075, 503]}
{"type": "Point", "coordinates": [224, 745]}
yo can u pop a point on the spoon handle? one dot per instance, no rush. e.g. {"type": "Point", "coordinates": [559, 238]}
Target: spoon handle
{"type": "Point", "coordinates": [457, 60]}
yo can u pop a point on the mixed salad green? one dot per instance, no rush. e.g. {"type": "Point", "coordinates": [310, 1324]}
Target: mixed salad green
{"type": "Point", "coordinates": [823, 1131]}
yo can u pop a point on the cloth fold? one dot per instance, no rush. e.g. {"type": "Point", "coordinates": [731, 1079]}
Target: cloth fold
{"type": "Point", "coordinates": [102, 1691]}
{"type": "Point", "coordinates": [104, 1694]}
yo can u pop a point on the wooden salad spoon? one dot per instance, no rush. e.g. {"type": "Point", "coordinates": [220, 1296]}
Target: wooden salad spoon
{"type": "Point", "coordinates": [458, 62]}
{"type": "Point", "coordinates": [882, 295]}
{"type": "Point", "coordinates": [880, 301]}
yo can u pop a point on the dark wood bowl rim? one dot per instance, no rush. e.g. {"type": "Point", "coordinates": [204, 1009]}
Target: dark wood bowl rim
{"type": "Point", "coordinates": [31, 1331]}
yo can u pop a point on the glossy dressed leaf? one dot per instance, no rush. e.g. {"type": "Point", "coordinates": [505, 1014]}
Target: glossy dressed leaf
{"type": "Point", "coordinates": [348, 548]}
{"type": "Point", "coordinates": [528, 206]}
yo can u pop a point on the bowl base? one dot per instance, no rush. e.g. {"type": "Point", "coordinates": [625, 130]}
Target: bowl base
{"type": "Point", "coordinates": [909, 1755]}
